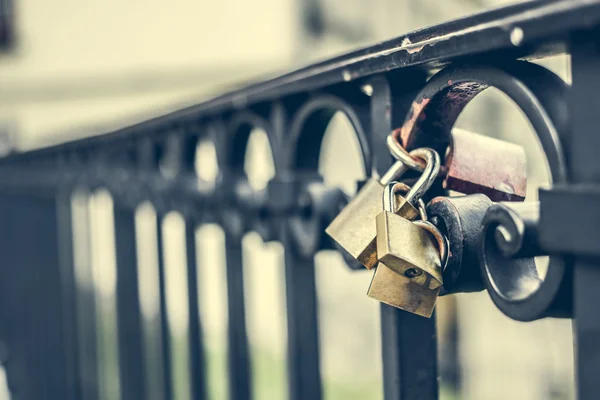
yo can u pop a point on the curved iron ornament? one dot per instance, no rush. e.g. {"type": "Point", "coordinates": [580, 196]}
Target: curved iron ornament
{"type": "Point", "coordinates": [508, 245]}
{"type": "Point", "coordinates": [240, 205]}
{"type": "Point", "coordinates": [317, 204]}
{"type": "Point", "coordinates": [541, 95]}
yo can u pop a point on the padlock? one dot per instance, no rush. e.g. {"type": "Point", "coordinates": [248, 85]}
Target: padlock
{"type": "Point", "coordinates": [402, 189]}
{"type": "Point", "coordinates": [476, 164]}
{"type": "Point", "coordinates": [415, 290]}
{"type": "Point", "coordinates": [405, 247]}
{"type": "Point", "coordinates": [354, 227]}
{"type": "Point", "coordinates": [402, 292]}
{"type": "Point", "coordinates": [481, 164]}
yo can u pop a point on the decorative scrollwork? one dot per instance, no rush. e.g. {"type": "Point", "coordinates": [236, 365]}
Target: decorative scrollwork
{"type": "Point", "coordinates": [540, 94]}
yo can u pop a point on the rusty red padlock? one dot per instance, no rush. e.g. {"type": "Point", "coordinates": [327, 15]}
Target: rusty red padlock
{"type": "Point", "coordinates": [476, 164]}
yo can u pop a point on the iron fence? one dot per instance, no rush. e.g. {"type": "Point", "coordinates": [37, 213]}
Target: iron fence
{"type": "Point", "coordinates": [375, 87]}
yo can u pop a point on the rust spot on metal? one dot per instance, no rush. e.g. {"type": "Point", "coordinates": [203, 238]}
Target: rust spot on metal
{"type": "Point", "coordinates": [402, 134]}
{"type": "Point", "coordinates": [437, 199]}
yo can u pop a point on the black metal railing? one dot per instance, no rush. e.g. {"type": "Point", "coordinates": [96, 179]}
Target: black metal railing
{"type": "Point", "coordinates": [41, 310]}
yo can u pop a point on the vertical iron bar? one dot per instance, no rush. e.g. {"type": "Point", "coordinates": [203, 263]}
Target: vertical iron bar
{"type": "Point", "coordinates": [37, 332]}
{"type": "Point", "coordinates": [302, 324]}
{"type": "Point", "coordinates": [69, 292]}
{"type": "Point", "coordinates": [303, 352]}
{"type": "Point", "coordinates": [585, 167]}
{"type": "Point", "coordinates": [165, 332]}
{"type": "Point", "coordinates": [238, 353]}
{"type": "Point", "coordinates": [129, 318]}
{"type": "Point", "coordinates": [87, 326]}
{"type": "Point", "coordinates": [408, 342]}
{"type": "Point", "coordinates": [196, 343]}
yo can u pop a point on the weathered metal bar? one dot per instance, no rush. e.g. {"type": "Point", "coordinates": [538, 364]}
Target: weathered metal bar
{"type": "Point", "coordinates": [165, 331]}
{"type": "Point", "coordinates": [129, 317]}
{"type": "Point", "coordinates": [238, 355]}
{"type": "Point", "coordinates": [85, 304]}
{"type": "Point", "coordinates": [304, 377]}
{"type": "Point", "coordinates": [409, 346]}
{"type": "Point", "coordinates": [545, 27]}
{"type": "Point", "coordinates": [36, 308]}
{"type": "Point", "coordinates": [585, 168]}
{"type": "Point", "coordinates": [195, 335]}
{"type": "Point", "coordinates": [68, 291]}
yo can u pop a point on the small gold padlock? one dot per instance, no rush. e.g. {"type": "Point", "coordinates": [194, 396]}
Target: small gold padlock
{"type": "Point", "coordinates": [409, 273]}
{"type": "Point", "coordinates": [413, 291]}
{"type": "Point", "coordinates": [405, 247]}
{"type": "Point", "coordinates": [354, 227]}
{"type": "Point", "coordinates": [401, 292]}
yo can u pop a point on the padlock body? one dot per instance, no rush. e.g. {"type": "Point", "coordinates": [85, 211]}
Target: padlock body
{"type": "Point", "coordinates": [401, 292]}
{"type": "Point", "coordinates": [403, 246]}
{"type": "Point", "coordinates": [354, 227]}
{"type": "Point", "coordinates": [481, 164]}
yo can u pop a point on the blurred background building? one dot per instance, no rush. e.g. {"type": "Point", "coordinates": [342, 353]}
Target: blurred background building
{"type": "Point", "coordinates": [83, 67]}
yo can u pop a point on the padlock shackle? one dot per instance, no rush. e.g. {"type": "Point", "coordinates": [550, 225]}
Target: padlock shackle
{"type": "Point", "coordinates": [440, 239]}
{"type": "Point", "coordinates": [431, 171]}
{"type": "Point", "coordinates": [389, 193]}
{"type": "Point", "coordinates": [389, 198]}
{"type": "Point", "coordinates": [401, 154]}
{"type": "Point", "coordinates": [396, 170]}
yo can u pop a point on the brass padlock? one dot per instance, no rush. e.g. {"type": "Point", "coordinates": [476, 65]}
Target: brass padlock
{"type": "Point", "coordinates": [406, 292]}
{"type": "Point", "coordinates": [405, 247]}
{"type": "Point", "coordinates": [354, 227]}
{"type": "Point", "coordinates": [415, 289]}
{"type": "Point", "coordinates": [401, 292]}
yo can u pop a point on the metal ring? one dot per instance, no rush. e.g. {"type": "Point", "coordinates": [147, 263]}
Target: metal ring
{"type": "Point", "coordinates": [540, 95]}
{"type": "Point", "coordinates": [442, 242]}
{"type": "Point", "coordinates": [401, 154]}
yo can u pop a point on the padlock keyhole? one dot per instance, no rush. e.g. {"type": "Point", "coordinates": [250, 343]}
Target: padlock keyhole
{"type": "Point", "coordinates": [413, 272]}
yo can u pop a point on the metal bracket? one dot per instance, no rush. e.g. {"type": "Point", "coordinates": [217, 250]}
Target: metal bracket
{"type": "Point", "coordinates": [570, 219]}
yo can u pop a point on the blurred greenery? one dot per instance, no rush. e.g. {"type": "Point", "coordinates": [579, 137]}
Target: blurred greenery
{"type": "Point", "coordinates": [269, 371]}
{"type": "Point", "coordinates": [108, 356]}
